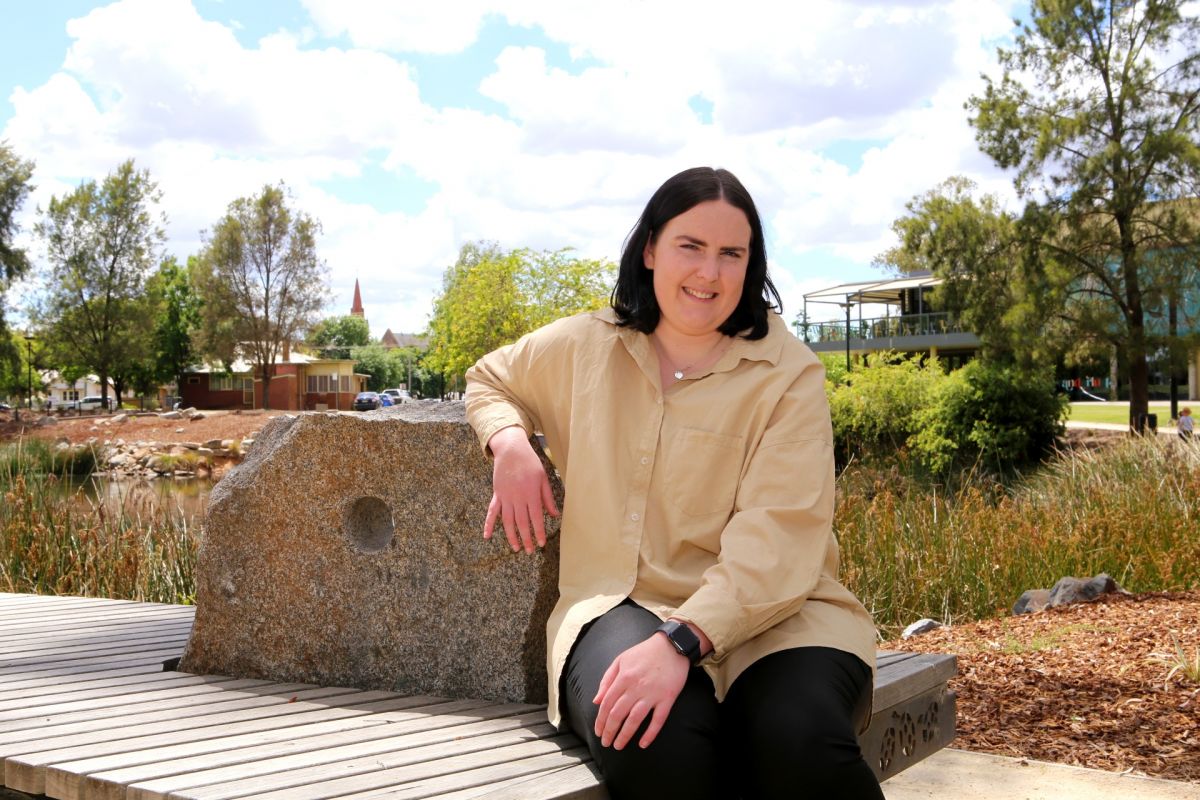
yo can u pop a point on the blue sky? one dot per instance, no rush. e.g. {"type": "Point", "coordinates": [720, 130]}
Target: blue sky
{"type": "Point", "coordinates": [409, 129]}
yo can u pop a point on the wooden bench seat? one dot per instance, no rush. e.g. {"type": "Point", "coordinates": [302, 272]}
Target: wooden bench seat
{"type": "Point", "coordinates": [86, 712]}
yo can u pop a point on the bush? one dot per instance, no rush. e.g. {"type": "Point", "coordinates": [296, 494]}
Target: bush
{"type": "Point", "coordinates": [992, 414]}
{"type": "Point", "coordinates": [878, 408]}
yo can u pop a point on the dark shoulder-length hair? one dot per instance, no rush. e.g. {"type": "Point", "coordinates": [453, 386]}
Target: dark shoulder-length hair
{"type": "Point", "coordinates": [633, 297]}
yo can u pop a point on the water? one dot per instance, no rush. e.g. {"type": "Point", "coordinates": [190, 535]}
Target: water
{"type": "Point", "coordinates": [184, 499]}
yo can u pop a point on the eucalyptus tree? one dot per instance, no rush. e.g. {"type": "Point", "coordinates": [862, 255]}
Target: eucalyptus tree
{"type": "Point", "coordinates": [102, 240]}
{"type": "Point", "coordinates": [260, 280]}
{"type": "Point", "coordinates": [1096, 112]}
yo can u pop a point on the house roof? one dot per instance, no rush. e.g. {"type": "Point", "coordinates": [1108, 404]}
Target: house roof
{"type": "Point", "coordinates": [888, 291]}
{"type": "Point", "coordinates": [390, 339]}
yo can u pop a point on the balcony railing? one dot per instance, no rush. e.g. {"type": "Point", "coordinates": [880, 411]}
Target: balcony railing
{"type": "Point", "coordinates": [934, 324]}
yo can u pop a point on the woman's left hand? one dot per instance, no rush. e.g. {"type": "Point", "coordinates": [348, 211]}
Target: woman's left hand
{"type": "Point", "coordinates": [643, 680]}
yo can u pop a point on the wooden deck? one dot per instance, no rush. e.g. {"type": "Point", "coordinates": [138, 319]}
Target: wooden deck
{"type": "Point", "coordinates": [86, 711]}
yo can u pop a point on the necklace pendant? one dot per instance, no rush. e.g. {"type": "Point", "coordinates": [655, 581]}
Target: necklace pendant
{"type": "Point", "coordinates": [678, 374]}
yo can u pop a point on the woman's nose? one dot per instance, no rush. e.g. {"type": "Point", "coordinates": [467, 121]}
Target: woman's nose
{"type": "Point", "coordinates": [709, 268]}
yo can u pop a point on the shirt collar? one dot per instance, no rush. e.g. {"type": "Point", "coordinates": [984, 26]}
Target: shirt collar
{"type": "Point", "coordinates": [769, 348]}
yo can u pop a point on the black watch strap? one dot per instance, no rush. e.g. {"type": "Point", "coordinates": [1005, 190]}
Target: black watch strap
{"type": "Point", "coordinates": [681, 636]}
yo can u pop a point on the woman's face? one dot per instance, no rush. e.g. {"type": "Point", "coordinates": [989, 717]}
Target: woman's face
{"type": "Point", "coordinates": [699, 260]}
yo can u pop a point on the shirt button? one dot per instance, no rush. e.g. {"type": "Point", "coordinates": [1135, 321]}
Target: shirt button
{"type": "Point", "coordinates": [645, 460]}
{"type": "Point", "coordinates": [634, 517]}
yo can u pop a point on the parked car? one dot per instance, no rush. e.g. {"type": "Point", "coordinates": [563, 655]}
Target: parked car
{"type": "Point", "coordinates": [5, 407]}
{"type": "Point", "coordinates": [385, 400]}
{"type": "Point", "coordinates": [366, 401]}
{"type": "Point", "coordinates": [94, 403]}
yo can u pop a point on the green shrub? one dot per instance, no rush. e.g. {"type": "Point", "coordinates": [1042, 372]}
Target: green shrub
{"type": "Point", "coordinates": [878, 408]}
{"type": "Point", "coordinates": [992, 414]}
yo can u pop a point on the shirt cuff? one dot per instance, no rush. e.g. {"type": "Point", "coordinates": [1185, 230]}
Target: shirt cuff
{"type": "Point", "coordinates": [487, 428]}
{"type": "Point", "coordinates": [718, 615]}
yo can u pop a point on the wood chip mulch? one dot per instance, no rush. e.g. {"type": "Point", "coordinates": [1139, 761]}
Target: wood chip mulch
{"type": "Point", "coordinates": [1085, 685]}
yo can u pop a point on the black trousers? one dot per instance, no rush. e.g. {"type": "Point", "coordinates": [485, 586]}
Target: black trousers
{"type": "Point", "coordinates": [785, 730]}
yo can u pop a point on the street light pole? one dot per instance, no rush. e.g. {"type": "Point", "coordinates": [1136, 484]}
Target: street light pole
{"type": "Point", "coordinates": [29, 363]}
{"type": "Point", "coordinates": [847, 305]}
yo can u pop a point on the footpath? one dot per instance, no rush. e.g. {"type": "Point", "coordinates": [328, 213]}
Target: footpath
{"type": "Point", "coordinates": [960, 775]}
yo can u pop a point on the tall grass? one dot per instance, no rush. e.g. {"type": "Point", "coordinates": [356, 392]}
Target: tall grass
{"type": "Point", "coordinates": [52, 544]}
{"type": "Point", "coordinates": [912, 548]}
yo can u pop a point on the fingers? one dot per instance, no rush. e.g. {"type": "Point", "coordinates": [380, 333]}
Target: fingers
{"type": "Point", "coordinates": [489, 522]}
{"type": "Point", "coordinates": [548, 497]}
{"type": "Point", "coordinates": [657, 720]}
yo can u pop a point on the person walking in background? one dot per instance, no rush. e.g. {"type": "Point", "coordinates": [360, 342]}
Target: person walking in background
{"type": "Point", "coordinates": [1186, 424]}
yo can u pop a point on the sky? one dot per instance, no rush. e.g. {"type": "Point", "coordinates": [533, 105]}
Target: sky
{"type": "Point", "coordinates": [409, 129]}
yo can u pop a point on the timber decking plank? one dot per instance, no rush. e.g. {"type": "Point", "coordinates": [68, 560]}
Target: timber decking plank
{"type": "Point", "coordinates": [225, 777]}
{"type": "Point", "coordinates": [394, 769]}
{"type": "Point", "coordinates": [109, 682]}
{"type": "Point", "coordinates": [10, 688]}
{"type": "Point", "coordinates": [472, 778]}
{"type": "Point", "coordinates": [578, 782]}
{"type": "Point", "coordinates": [72, 666]}
{"type": "Point", "coordinates": [89, 694]}
{"type": "Point", "coordinates": [27, 770]}
{"type": "Point", "coordinates": [122, 704]}
{"type": "Point", "coordinates": [222, 710]}
{"type": "Point", "coordinates": [278, 763]}
{"type": "Point", "coordinates": [218, 713]}
{"type": "Point", "coordinates": [297, 709]}
{"type": "Point", "coordinates": [44, 620]}
{"type": "Point", "coordinates": [55, 655]}
{"type": "Point", "coordinates": [91, 638]}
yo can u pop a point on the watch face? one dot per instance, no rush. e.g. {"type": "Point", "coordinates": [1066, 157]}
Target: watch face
{"type": "Point", "coordinates": [682, 637]}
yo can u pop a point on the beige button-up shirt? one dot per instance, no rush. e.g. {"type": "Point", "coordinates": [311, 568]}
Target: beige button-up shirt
{"type": "Point", "coordinates": [710, 501]}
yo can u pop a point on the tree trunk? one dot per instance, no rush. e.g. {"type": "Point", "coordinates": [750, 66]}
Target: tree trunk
{"type": "Point", "coordinates": [1139, 385]}
{"type": "Point", "coordinates": [266, 382]}
{"type": "Point", "coordinates": [1172, 332]}
{"type": "Point", "coordinates": [1114, 375]}
{"type": "Point", "coordinates": [103, 388]}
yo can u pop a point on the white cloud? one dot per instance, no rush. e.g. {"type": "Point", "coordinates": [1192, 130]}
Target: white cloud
{"type": "Point", "coordinates": [401, 26]}
{"type": "Point", "coordinates": [575, 153]}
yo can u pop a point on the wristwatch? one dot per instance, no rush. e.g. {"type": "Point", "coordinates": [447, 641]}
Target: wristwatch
{"type": "Point", "coordinates": [681, 636]}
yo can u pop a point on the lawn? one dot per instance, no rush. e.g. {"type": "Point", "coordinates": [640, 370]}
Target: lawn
{"type": "Point", "coordinates": [1118, 413]}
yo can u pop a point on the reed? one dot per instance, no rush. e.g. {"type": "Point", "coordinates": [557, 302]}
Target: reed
{"type": "Point", "coordinates": [54, 544]}
{"type": "Point", "coordinates": [915, 548]}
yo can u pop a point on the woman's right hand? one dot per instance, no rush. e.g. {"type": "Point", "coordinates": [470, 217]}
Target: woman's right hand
{"type": "Point", "coordinates": [521, 491]}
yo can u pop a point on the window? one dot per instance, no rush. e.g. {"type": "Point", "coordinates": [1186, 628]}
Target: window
{"type": "Point", "coordinates": [194, 381]}
{"type": "Point", "coordinates": [224, 383]}
{"type": "Point", "coordinates": [326, 384]}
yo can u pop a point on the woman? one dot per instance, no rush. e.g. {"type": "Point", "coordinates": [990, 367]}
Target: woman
{"type": "Point", "coordinates": [701, 644]}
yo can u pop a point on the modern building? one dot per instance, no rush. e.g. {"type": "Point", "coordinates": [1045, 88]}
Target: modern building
{"type": "Point", "coordinates": [893, 314]}
{"type": "Point", "coordinates": [896, 315]}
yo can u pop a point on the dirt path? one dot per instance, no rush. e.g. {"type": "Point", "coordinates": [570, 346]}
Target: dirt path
{"type": "Point", "coordinates": [147, 428]}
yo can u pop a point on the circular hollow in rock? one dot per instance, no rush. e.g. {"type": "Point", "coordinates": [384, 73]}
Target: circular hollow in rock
{"type": "Point", "coordinates": [368, 524]}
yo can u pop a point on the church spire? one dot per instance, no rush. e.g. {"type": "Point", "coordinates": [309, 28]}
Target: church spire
{"type": "Point", "coordinates": [357, 309]}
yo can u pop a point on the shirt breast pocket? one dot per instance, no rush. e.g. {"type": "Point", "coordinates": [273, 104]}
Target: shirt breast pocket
{"type": "Point", "coordinates": [702, 471]}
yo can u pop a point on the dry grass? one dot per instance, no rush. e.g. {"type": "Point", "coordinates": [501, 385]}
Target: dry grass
{"type": "Point", "coordinates": [913, 549]}
{"type": "Point", "coordinates": [49, 546]}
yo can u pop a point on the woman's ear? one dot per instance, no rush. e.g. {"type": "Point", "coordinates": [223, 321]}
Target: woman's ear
{"type": "Point", "coordinates": [648, 254]}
